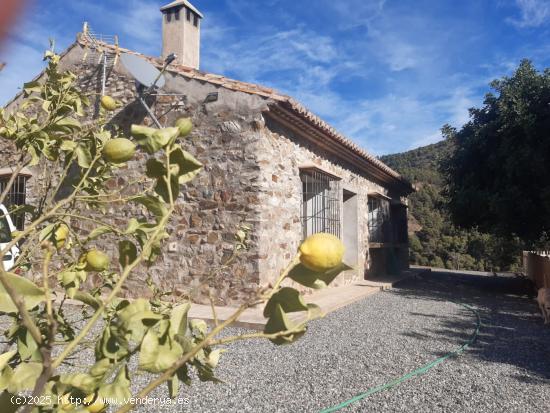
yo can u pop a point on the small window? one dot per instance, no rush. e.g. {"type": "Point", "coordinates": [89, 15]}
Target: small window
{"type": "Point", "coordinates": [169, 16]}
{"type": "Point", "coordinates": [195, 20]}
{"type": "Point", "coordinates": [188, 15]}
{"type": "Point", "coordinates": [177, 14]}
{"type": "Point", "coordinates": [321, 201]}
{"type": "Point", "coordinates": [16, 197]}
{"type": "Point", "coordinates": [379, 219]}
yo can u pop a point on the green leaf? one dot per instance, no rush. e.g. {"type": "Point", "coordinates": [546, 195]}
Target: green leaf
{"type": "Point", "coordinates": [314, 279]}
{"type": "Point", "coordinates": [144, 137]}
{"type": "Point", "coordinates": [5, 378]}
{"type": "Point", "coordinates": [70, 123]}
{"type": "Point", "coordinates": [30, 87]}
{"type": "Point", "coordinates": [119, 390]}
{"type": "Point", "coordinates": [99, 369]}
{"type": "Point", "coordinates": [153, 205]}
{"type": "Point", "coordinates": [155, 168]}
{"type": "Point", "coordinates": [68, 146]}
{"type": "Point", "coordinates": [278, 323]}
{"type": "Point", "coordinates": [178, 319]}
{"type": "Point", "coordinates": [161, 188]}
{"type": "Point", "coordinates": [87, 298]}
{"type": "Point", "coordinates": [84, 156]}
{"type": "Point", "coordinates": [173, 387]}
{"type": "Point", "coordinates": [127, 253]}
{"type": "Point", "coordinates": [304, 276]}
{"type": "Point", "coordinates": [112, 344]}
{"type": "Point", "coordinates": [314, 312]}
{"type": "Point", "coordinates": [189, 167]}
{"type": "Point", "coordinates": [35, 158]}
{"type": "Point", "coordinates": [133, 226]}
{"type": "Point", "coordinates": [165, 135]}
{"type": "Point", "coordinates": [24, 377]}
{"type": "Point", "coordinates": [5, 358]}
{"type": "Point", "coordinates": [136, 318]}
{"type": "Point", "coordinates": [330, 275]}
{"type": "Point", "coordinates": [155, 357]}
{"type": "Point", "coordinates": [198, 326]}
{"type": "Point", "coordinates": [30, 292]}
{"type": "Point", "coordinates": [288, 298]}
{"type": "Point", "coordinates": [99, 231]}
{"type": "Point", "coordinates": [27, 347]}
{"type": "Point", "coordinates": [214, 358]}
{"type": "Point", "coordinates": [82, 381]}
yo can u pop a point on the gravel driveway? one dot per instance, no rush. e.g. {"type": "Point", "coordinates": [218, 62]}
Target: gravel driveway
{"type": "Point", "coordinates": [383, 337]}
{"type": "Point", "coordinates": [386, 336]}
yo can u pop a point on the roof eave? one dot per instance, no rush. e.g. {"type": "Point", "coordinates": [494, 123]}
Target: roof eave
{"type": "Point", "coordinates": [286, 113]}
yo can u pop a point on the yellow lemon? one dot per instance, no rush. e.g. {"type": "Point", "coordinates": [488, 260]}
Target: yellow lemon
{"type": "Point", "coordinates": [93, 403]}
{"type": "Point", "coordinates": [321, 252]}
{"type": "Point", "coordinates": [60, 235]}
{"type": "Point", "coordinates": [119, 150]}
{"type": "Point", "coordinates": [185, 125]}
{"type": "Point", "coordinates": [108, 103]}
{"type": "Point", "coordinates": [97, 261]}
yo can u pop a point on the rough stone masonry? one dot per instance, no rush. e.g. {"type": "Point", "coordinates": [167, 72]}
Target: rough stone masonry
{"type": "Point", "coordinates": [253, 148]}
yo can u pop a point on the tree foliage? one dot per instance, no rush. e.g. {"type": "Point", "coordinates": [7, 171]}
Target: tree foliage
{"type": "Point", "coordinates": [433, 238]}
{"type": "Point", "coordinates": [497, 178]}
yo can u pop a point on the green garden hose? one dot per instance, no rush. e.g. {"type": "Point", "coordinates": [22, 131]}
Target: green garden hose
{"type": "Point", "coordinates": [416, 372]}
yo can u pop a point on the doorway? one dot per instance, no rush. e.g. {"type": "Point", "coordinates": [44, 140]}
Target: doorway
{"type": "Point", "coordinates": [350, 228]}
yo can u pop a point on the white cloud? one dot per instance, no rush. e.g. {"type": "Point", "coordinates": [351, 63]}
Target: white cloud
{"type": "Point", "coordinates": [534, 13]}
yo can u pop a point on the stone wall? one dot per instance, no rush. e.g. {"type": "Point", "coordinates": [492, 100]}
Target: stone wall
{"type": "Point", "coordinates": [211, 208]}
{"type": "Point", "coordinates": [251, 176]}
{"type": "Point", "coordinates": [280, 155]}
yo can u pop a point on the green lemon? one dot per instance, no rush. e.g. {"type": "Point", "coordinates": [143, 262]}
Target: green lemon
{"type": "Point", "coordinates": [97, 261]}
{"type": "Point", "coordinates": [119, 150]}
{"type": "Point", "coordinates": [185, 125]}
{"type": "Point", "coordinates": [108, 103]}
{"type": "Point", "coordinates": [60, 235]}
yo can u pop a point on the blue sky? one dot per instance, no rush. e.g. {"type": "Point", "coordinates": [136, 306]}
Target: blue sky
{"type": "Point", "coordinates": [387, 73]}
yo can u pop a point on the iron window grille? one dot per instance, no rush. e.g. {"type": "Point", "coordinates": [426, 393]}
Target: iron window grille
{"type": "Point", "coordinates": [379, 222]}
{"type": "Point", "coordinates": [320, 203]}
{"type": "Point", "coordinates": [16, 196]}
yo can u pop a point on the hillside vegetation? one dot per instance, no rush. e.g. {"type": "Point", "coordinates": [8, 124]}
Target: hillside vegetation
{"type": "Point", "coordinates": [434, 240]}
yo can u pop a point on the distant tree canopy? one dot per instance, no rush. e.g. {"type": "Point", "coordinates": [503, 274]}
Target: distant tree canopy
{"type": "Point", "coordinates": [498, 177]}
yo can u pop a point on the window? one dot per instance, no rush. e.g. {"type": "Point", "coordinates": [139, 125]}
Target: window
{"type": "Point", "coordinates": [188, 15]}
{"type": "Point", "coordinates": [177, 14]}
{"type": "Point", "coordinates": [169, 16]}
{"type": "Point", "coordinates": [320, 202]}
{"type": "Point", "coordinates": [16, 196]}
{"type": "Point", "coordinates": [379, 219]}
{"type": "Point", "coordinates": [195, 20]}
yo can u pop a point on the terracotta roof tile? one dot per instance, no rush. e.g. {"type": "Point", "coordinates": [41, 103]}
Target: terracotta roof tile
{"type": "Point", "coordinates": [270, 93]}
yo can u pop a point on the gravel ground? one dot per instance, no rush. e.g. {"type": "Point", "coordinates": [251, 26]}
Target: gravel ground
{"type": "Point", "coordinates": [383, 337]}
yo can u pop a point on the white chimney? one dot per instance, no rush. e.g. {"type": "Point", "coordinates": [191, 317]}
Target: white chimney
{"type": "Point", "coordinates": [181, 32]}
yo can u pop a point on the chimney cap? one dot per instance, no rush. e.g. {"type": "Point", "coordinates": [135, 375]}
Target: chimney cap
{"type": "Point", "coordinates": [182, 3]}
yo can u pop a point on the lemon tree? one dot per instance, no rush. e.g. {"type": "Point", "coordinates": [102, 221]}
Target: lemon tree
{"type": "Point", "coordinates": [81, 157]}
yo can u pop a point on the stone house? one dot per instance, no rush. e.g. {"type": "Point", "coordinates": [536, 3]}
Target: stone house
{"type": "Point", "coordinates": [269, 163]}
